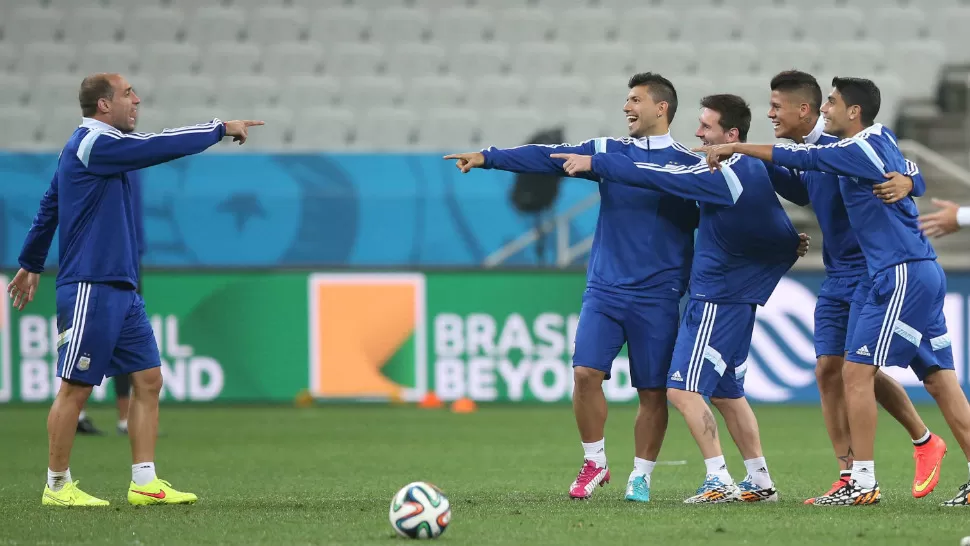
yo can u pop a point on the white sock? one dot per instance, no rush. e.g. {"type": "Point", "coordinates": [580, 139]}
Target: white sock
{"type": "Point", "coordinates": [864, 473]}
{"type": "Point", "coordinates": [143, 473]}
{"type": "Point", "coordinates": [968, 465]}
{"type": "Point", "coordinates": [717, 467]}
{"type": "Point", "coordinates": [82, 415]}
{"type": "Point", "coordinates": [923, 439]}
{"type": "Point", "coordinates": [758, 471]}
{"type": "Point", "coordinates": [57, 480]}
{"type": "Point", "coordinates": [642, 467]}
{"type": "Point", "coordinates": [596, 452]}
{"type": "Point", "coordinates": [123, 424]}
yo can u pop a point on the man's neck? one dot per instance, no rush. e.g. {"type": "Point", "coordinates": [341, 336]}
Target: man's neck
{"type": "Point", "coordinates": [811, 124]}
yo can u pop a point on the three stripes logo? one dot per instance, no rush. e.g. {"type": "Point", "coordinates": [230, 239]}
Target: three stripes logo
{"type": "Point", "coordinates": [367, 335]}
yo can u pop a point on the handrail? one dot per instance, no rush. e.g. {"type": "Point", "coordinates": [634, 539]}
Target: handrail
{"type": "Point", "coordinates": [559, 224]}
{"type": "Point", "coordinates": [927, 155]}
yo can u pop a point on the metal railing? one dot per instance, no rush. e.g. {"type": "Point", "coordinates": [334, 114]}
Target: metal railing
{"type": "Point", "coordinates": [921, 154]}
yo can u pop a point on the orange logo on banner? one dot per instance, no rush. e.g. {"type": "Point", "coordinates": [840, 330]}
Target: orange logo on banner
{"type": "Point", "coordinates": [360, 324]}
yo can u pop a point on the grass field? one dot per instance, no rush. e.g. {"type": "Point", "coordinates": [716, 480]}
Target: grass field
{"type": "Point", "coordinates": [325, 475]}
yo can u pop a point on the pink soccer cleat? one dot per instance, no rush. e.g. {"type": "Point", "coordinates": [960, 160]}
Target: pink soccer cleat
{"type": "Point", "coordinates": [589, 477]}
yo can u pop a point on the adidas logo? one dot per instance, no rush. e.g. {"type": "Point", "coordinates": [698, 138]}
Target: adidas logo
{"type": "Point", "coordinates": [762, 470]}
{"type": "Point", "coordinates": [864, 351]}
{"type": "Point", "coordinates": [677, 376]}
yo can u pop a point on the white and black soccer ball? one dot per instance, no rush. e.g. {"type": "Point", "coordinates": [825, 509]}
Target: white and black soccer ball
{"type": "Point", "coordinates": [420, 510]}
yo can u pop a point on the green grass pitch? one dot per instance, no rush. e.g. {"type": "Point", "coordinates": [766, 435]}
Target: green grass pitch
{"type": "Point", "coordinates": [326, 475]}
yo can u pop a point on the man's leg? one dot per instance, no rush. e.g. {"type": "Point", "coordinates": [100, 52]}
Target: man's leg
{"type": "Point", "coordinates": [893, 398]}
{"type": "Point", "coordinates": [122, 400]}
{"type": "Point", "coordinates": [599, 338]}
{"type": "Point", "coordinates": [61, 424]}
{"type": "Point", "coordinates": [944, 386]}
{"type": "Point", "coordinates": [143, 415]}
{"type": "Point", "coordinates": [831, 391]}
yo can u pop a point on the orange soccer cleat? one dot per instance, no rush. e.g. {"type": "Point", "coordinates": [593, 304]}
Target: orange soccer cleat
{"type": "Point", "coordinates": [928, 458]}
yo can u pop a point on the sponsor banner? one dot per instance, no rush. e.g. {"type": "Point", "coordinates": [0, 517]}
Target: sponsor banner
{"type": "Point", "coordinates": [500, 336]}
{"type": "Point", "coordinates": [222, 337]}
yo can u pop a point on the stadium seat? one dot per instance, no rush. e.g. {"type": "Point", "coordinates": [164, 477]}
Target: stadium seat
{"type": "Point", "coordinates": [518, 25]}
{"type": "Point", "coordinates": [385, 129]}
{"type": "Point", "coordinates": [40, 57]}
{"type": "Point", "coordinates": [92, 24]}
{"type": "Point", "coordinates": [179, 91]}
{"type": "Point", "coordinates": [416, 60]}
{"type": "Point", "coordinates": [271, 25]}
{"type": "Point", "coordinates": [742, 60]}
{"type": "Point", "coordinates": [578, 26]}
{"type": "Point", "coordinates": [57, 88]}
{"type": "Point", "coordinates": [306, 91]}
{"type": "Point", "coordinates": [26, 121]}
{"type": "Point", "coordinates": [212, 24]}
{"type": "Point", "coordinates": [612, 61]}
{"type": "Point", "coordinates": [377, 4]}
{"type": "Point", "coordinates": [230, 59]}
{"type": "Point", "coordinates": [787, 56]}
{"type": "Point", "coordinates": [335, 25]}
{"type": "Point", "coordinates": [541, 59]}
{"type": "Point", "coordinates": [583, 123]}
{"type": "Point", "coordinates": [550, 95]}
{"type": "Point", "coordinates": [58, 123]}
{"type": "Point", "coordinates": [478, 59]}
{"type": "Point", "coordinates": [148, 23]}
{"type": "Point", "coordinates": [950, 27]}
{"type": "Point", "coordinates": [399, 25]}
{"type": "Point", "coordinates": [275, 135]}
{"type": "Point", "coordinates": [423, 94]}
{"type": "Point", "coordinates": [29, 24]}
{"type": "Point", "coordinates": [106, 57]}
{"type": "Point", "coordinates": [322, 128]}
{"type": "Point", "coordinates": [609, 97]}
{"type": "Point", "coordinates": [461, 25]}
{"type": "Point", "coordinates": [10, 55]}
{"type": "Point", "coordinates": [891, 25]}
{"type": "Point", "coordinates": [861, 58]}
{"type": "Point", "coordinates": [168, 59]}
{"type": "Point", "coordinates": [507, 127]}
{"type": "Point", "coordinates": [447, 129]}
{"type": "Point", "coordinates": [13, 89]}
{"type": "Point", "coordinates": [189, 7]}
{"type": "Point", "coordinates": [920, 61]}
{"type": "Point", "coordinates": [669, 59]}
{"type": "Point", "coordinates": [773, 24]}
{"type": "Point", "coordinates": [641, 25]}
{"type": "Point", "coordinates": [838, 25]}
{"type": "Point", "coordinates": [253, 5]}
{"type": "Point", "coordinates": [435, 5]}
{"type": "Point", "coordinates": [249, 92]}
{"type": "Point", "coordinates": [497, 92]}
{"type": "Point", "coordinates": [285, 59]}
{"type": "Point", "coordinates": [892, 90]}
{"type": "Point", "coordinates": [353, 59]}
{"type": "Point", "coordinates": [705, 25]}
{"type": "Point", "coordinates": [364, 92]}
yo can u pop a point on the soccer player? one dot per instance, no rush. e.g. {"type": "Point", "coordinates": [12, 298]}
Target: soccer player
{"type": "Point", "coordinates": [949, 219]}
{"type": "Point", "coordinates": [902, 321]}
{"type": "Point", "coordinates": [102, 326]}
{"type": "Point", "coordinates": [638, 270]}
{"type": "Point", "coordinates": [795, 101]}
{"type": "Point", "coordinates": [122, 383]}
{"type": "Point", "coordinates": [745, 244]}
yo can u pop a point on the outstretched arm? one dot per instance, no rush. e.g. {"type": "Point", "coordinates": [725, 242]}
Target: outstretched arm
{"type": "Point", "coordinates": [37, 245]}
{"type": "Point", "coordinates": [531, 158]}
{"type": "Point", "coordinates": [788, 183]}
{"type": "Point", "coordinates": [109, 151]}
{"type": "Point", "coordinates": [689, 182]}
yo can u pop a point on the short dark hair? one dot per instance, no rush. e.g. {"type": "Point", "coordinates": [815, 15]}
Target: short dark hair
{"type": "Point", "coordinates": [93, 89]}
{"type": "Point", "coordinates": [862, 93]}
{"type": "Point", "coordinates": [796, 81]}
{"type": "Point", "coordinates": [660, 89]}
{"type": "Point", "coordinates": [735, 113]}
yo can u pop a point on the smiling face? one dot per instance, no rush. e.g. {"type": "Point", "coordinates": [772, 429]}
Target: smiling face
{"type": "Point", "coordinates": [837, 115]}
{"type": "Point", "coordinates": [642, 112]}
{"type": "Point", "coordinates": [789, 115]}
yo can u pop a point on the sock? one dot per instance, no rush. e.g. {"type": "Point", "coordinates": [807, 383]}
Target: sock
{"type": "Point", "coordinates": [845, 474]}
{"type": "Point", "coordinates": [758, 470]}
{"type": "Point", "coordinates": [968, 464]}
{"type": "Point", "coordinates": [57, 480]}
{"type": "Point", "coordinates": [642, 467]}
{"type": "Point", "coordinates": [923, 439]}
{"type": "Point", "coordinates": [717, 467]}
{"type": "Point", "coordinates": [143, 473]}
{"type": "Point", "coordinates": [82, 415]}
{"type": "Point", "coordinates": [864, 474]}
{"type": "Point", "coordinates": [123, 424]}
{"type": "Point", "coordinates": [596, 452]}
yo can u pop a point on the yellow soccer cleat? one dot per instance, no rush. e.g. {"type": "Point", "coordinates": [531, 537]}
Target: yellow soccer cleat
{"type": "Point", "coordinates": [70, 495]}
{"type": "Point", "coordinates": [158, 492]}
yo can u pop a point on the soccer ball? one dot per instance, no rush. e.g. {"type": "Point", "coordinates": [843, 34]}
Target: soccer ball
{"type": "Point", "coordinates": [420, 510]}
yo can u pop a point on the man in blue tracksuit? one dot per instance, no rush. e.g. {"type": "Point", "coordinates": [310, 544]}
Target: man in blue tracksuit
{"type": "Point", "coordinates": [103, 330]}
